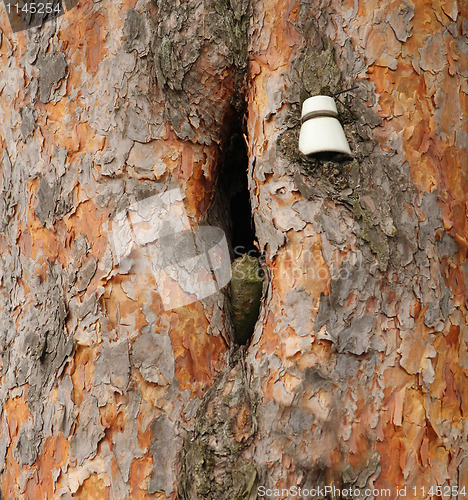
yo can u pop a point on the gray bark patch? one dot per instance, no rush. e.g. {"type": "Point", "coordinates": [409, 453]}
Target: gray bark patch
{"type": "Point", "coordinates": [89, 431]}
{"type": "Point", "coordinates": [4, 442]}
{"type": "Point", "coordinates": [113, 364]}
{"type": "Point", "coordinates": [28, 122]}
{"type": "Point", "coordinates": [27, 446]}
{"type": "Point", "coordinates": [152, 354]}
{"type": "Point", "coordinates": [52, 69]}
{"type": "Point", "coordinates": [38, 352]}
{"type": "Point", "coordinates": [51, 204]}
{"type": "Point", "coordinates": [47, 197]}
{"type": "Point", "coordinates": [164, 449]}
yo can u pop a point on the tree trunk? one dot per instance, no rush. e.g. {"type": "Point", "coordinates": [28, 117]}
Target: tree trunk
{"type": "Point", "coordinates": [361, 357]}
{"type": "Point", "coordinates": [114, 386]}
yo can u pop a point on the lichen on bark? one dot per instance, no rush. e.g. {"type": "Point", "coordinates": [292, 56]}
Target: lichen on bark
{"type": "Point", "coordinates": [245, 292]}
{"type": "Point", "coordinates": [216, 460]}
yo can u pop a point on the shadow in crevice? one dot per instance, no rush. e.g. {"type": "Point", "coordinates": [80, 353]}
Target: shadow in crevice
{"type": "Point", "coordinates": [234, 187]}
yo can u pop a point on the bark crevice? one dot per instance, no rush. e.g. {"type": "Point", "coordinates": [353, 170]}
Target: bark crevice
{"type": "Point", "coordinates": [216, 462]}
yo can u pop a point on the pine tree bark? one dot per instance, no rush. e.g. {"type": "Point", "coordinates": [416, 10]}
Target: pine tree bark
{"type": "Point", "coordinates": [360, 355]}
{"type": "Point", "coordinates": [356, 372]}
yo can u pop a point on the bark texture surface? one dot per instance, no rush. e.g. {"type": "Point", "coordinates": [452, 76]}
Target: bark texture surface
{"type": "Point", "coordinates": [357, 371]}
{"type": "Point", "coordinates": [360, 356]}
{"type": "Point", "coordinates": [100, 109]}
